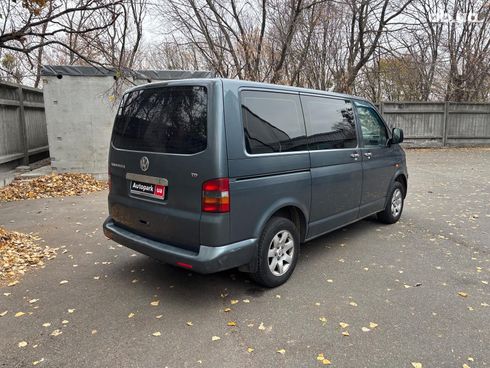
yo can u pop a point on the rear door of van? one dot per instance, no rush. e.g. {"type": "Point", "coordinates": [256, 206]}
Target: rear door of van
{"type": "Point", "coordinates": [167, 141]}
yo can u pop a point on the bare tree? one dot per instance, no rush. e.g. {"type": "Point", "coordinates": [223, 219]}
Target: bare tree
{"type": "Point", "coordinates": [32, 24]}
{"type": "Point", "coordinates": [368, 23]}
{"type": "Point", "coordinates": [468, 48]}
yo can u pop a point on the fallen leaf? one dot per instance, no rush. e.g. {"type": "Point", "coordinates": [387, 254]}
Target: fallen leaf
{"type": "Point", "coordinates": [227, 309]}
{"type": "Point", "coordinates": [157, 333]}
{"type": "Point", "coordinates": [64, 321]}
{"type": "Point", "coordinates": [463, 294]}
{"type": "Point", "coordinates": [326, 362]}
{"type": "Point", "coordinates": [234, 301]}
{"type": "Point", "coordinates": [19, 314]}
{"type": "Point", "coordinates": [250, 350]}
{"type": "Point", "coordinates": [36, 362]}
{"type": "Point", "coordinates": [466, 365]}
{"type": "Point", "coordinates": [155, 303]}
{"type": "Point", "coordinates": [373, 325]}
{"type": "Point", "coordinates": [281, 351]}
{"type": "Point", "coordinates": [159, 316]}
{"type": "Point", "coordinates": [131, 315]}
{"type": "Point", "coordinates": [330, 280]}
{"type": "Point", "coordinates": [278, 296]}
{"type": "Point", "coordinates": [53, 185]}
{"type": "Point", "coordinates": [47, 324]}
{"type": "Point", "coordinates": [343, 324]}
{"type": "Point", "coordinates": [3, 313]}
{"type": "Point", "coordinates": [365, 329]}
{"type": "Point", "coordinates": [215, 338]}
{"type": "Point", "coordinates": [231, 323]}
{"type": "Point", "coordinates": [323, 319]}
{"type": "Point", "coordinates": [354, 304]}
{"type": "Point", "coordinates": [94, 332]}
{"type": "Point", "coordinates": [261, 326]}
{"type": "Point", "coordinates": [33, 301]}
{"type": "Point", "coordinates": [63, 282]}
{"type": "Point", "coordinates": [345, 333]}
{"type": "Point", "coordinates": [246, 301]}
{"type": "Point", "coordinates": [71, 310]}
{"type": "Point", "coordinates": [416, 365]}
{"type": "Point", "coordinates": [56, 333]}
{"type": "Point", "coordinates": [13, 283]}
{"type": "Point", "coordinates": [22, 344]}
{"type": "Point", "coordinates": [189, 323]}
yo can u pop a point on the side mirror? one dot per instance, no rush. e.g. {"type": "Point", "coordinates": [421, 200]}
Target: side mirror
{"type": "Point", "coordinates": [396, 136]}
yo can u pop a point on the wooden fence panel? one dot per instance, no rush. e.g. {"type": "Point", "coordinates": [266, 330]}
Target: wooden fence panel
{"type": "Point", "coordinates": [23, 129]}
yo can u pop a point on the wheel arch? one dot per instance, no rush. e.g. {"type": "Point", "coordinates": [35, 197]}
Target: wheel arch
{"type": "Point", "coordinates": [290, 209]}
{"type": "Point", "coordinates": [402, 179]}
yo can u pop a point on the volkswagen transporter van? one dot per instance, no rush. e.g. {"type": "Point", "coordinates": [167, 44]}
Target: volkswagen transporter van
{"type": "Point", "coordinates": [212, 174]}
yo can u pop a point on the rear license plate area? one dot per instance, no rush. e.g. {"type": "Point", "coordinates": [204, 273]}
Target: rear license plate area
{"type": "Point", "coordinates": [157, 191]}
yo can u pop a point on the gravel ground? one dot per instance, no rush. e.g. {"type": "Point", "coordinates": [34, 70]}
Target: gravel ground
{"type": "Point", "coordinates": [413, 292]}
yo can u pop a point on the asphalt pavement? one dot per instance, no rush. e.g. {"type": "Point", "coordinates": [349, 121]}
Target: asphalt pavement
{"type": "Point", "coordinates": [413, 292]}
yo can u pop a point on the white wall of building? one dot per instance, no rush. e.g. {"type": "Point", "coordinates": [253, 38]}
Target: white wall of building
{"type": "Point", "coordinates": [80, 113]}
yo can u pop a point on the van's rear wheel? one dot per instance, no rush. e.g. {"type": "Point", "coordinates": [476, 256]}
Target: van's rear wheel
{"type": "Point", "coordinates": [278, 251]}
{"type": "Point", "coordinates": [394, 205]}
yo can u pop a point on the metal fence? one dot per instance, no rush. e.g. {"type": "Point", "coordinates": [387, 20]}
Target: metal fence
{"type": "Point", "coordinates": [22, 122]}
{"type": "Point", "coordinates": [440, 123]}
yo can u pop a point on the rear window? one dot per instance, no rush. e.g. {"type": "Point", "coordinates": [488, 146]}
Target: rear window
{"type": "Point", "coordinates": [168, 120]}
{"type": "Point", "coordinates": [272, 122]}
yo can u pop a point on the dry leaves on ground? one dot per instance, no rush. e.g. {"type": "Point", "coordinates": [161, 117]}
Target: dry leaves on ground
{"type": "Point", "coordinates": [54, 185]}
{"type": "Point", "coordinates": [18, 252]}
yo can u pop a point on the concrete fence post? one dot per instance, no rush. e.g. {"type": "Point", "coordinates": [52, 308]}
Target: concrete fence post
{"type": "Point", "coordinates": [23, 126]}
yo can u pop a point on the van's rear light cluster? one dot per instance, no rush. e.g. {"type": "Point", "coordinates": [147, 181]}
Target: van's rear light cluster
{"type": "Point", "coordinates": [216, 195]}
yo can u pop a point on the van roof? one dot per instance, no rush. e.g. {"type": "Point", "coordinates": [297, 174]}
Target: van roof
{"type": "Point", "coordinates": [237, 83]}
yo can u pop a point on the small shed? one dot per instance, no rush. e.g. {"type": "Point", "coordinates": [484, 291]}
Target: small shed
{"type": "Point", "coordinates": [80, 104]}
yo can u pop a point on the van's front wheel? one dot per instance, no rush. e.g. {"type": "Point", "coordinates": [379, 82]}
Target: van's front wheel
{"type": "Point", "coordinates": [394, 206]}
{"type": "Point", "coordinates": [278, 251]}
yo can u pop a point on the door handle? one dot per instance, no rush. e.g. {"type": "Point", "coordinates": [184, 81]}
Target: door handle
{"type": "Point", "coordinates": [354, 155]}
{"type": "Point", "coordinates": [368, 155]}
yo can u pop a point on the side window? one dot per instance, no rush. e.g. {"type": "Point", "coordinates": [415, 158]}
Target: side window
{"type": "Point", "coordinates": [374, 133]}
{"type": "Point", "coordinates": [272, 122]}
{"type": "Point", "coordinates": [330, 123]}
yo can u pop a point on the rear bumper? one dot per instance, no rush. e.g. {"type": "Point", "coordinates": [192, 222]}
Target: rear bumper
{"type": "Point", "coordinates": [208, 260]}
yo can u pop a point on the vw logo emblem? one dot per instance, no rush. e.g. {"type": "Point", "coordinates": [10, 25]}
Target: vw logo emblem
{"type": "Point", "coordinates": [144, 163]}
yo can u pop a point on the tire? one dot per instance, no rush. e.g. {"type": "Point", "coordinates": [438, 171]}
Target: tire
{"type": "Point", "coordinates": [281, 238]}
{"type": "Point", "coordinates": [394, 204]}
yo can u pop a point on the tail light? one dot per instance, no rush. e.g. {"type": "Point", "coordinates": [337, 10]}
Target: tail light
{"type": "Point", "coordinates": [216, 195]}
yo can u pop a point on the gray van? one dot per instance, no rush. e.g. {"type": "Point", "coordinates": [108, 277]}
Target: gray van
{"type": "Point", "coordinates": [212, 174]}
